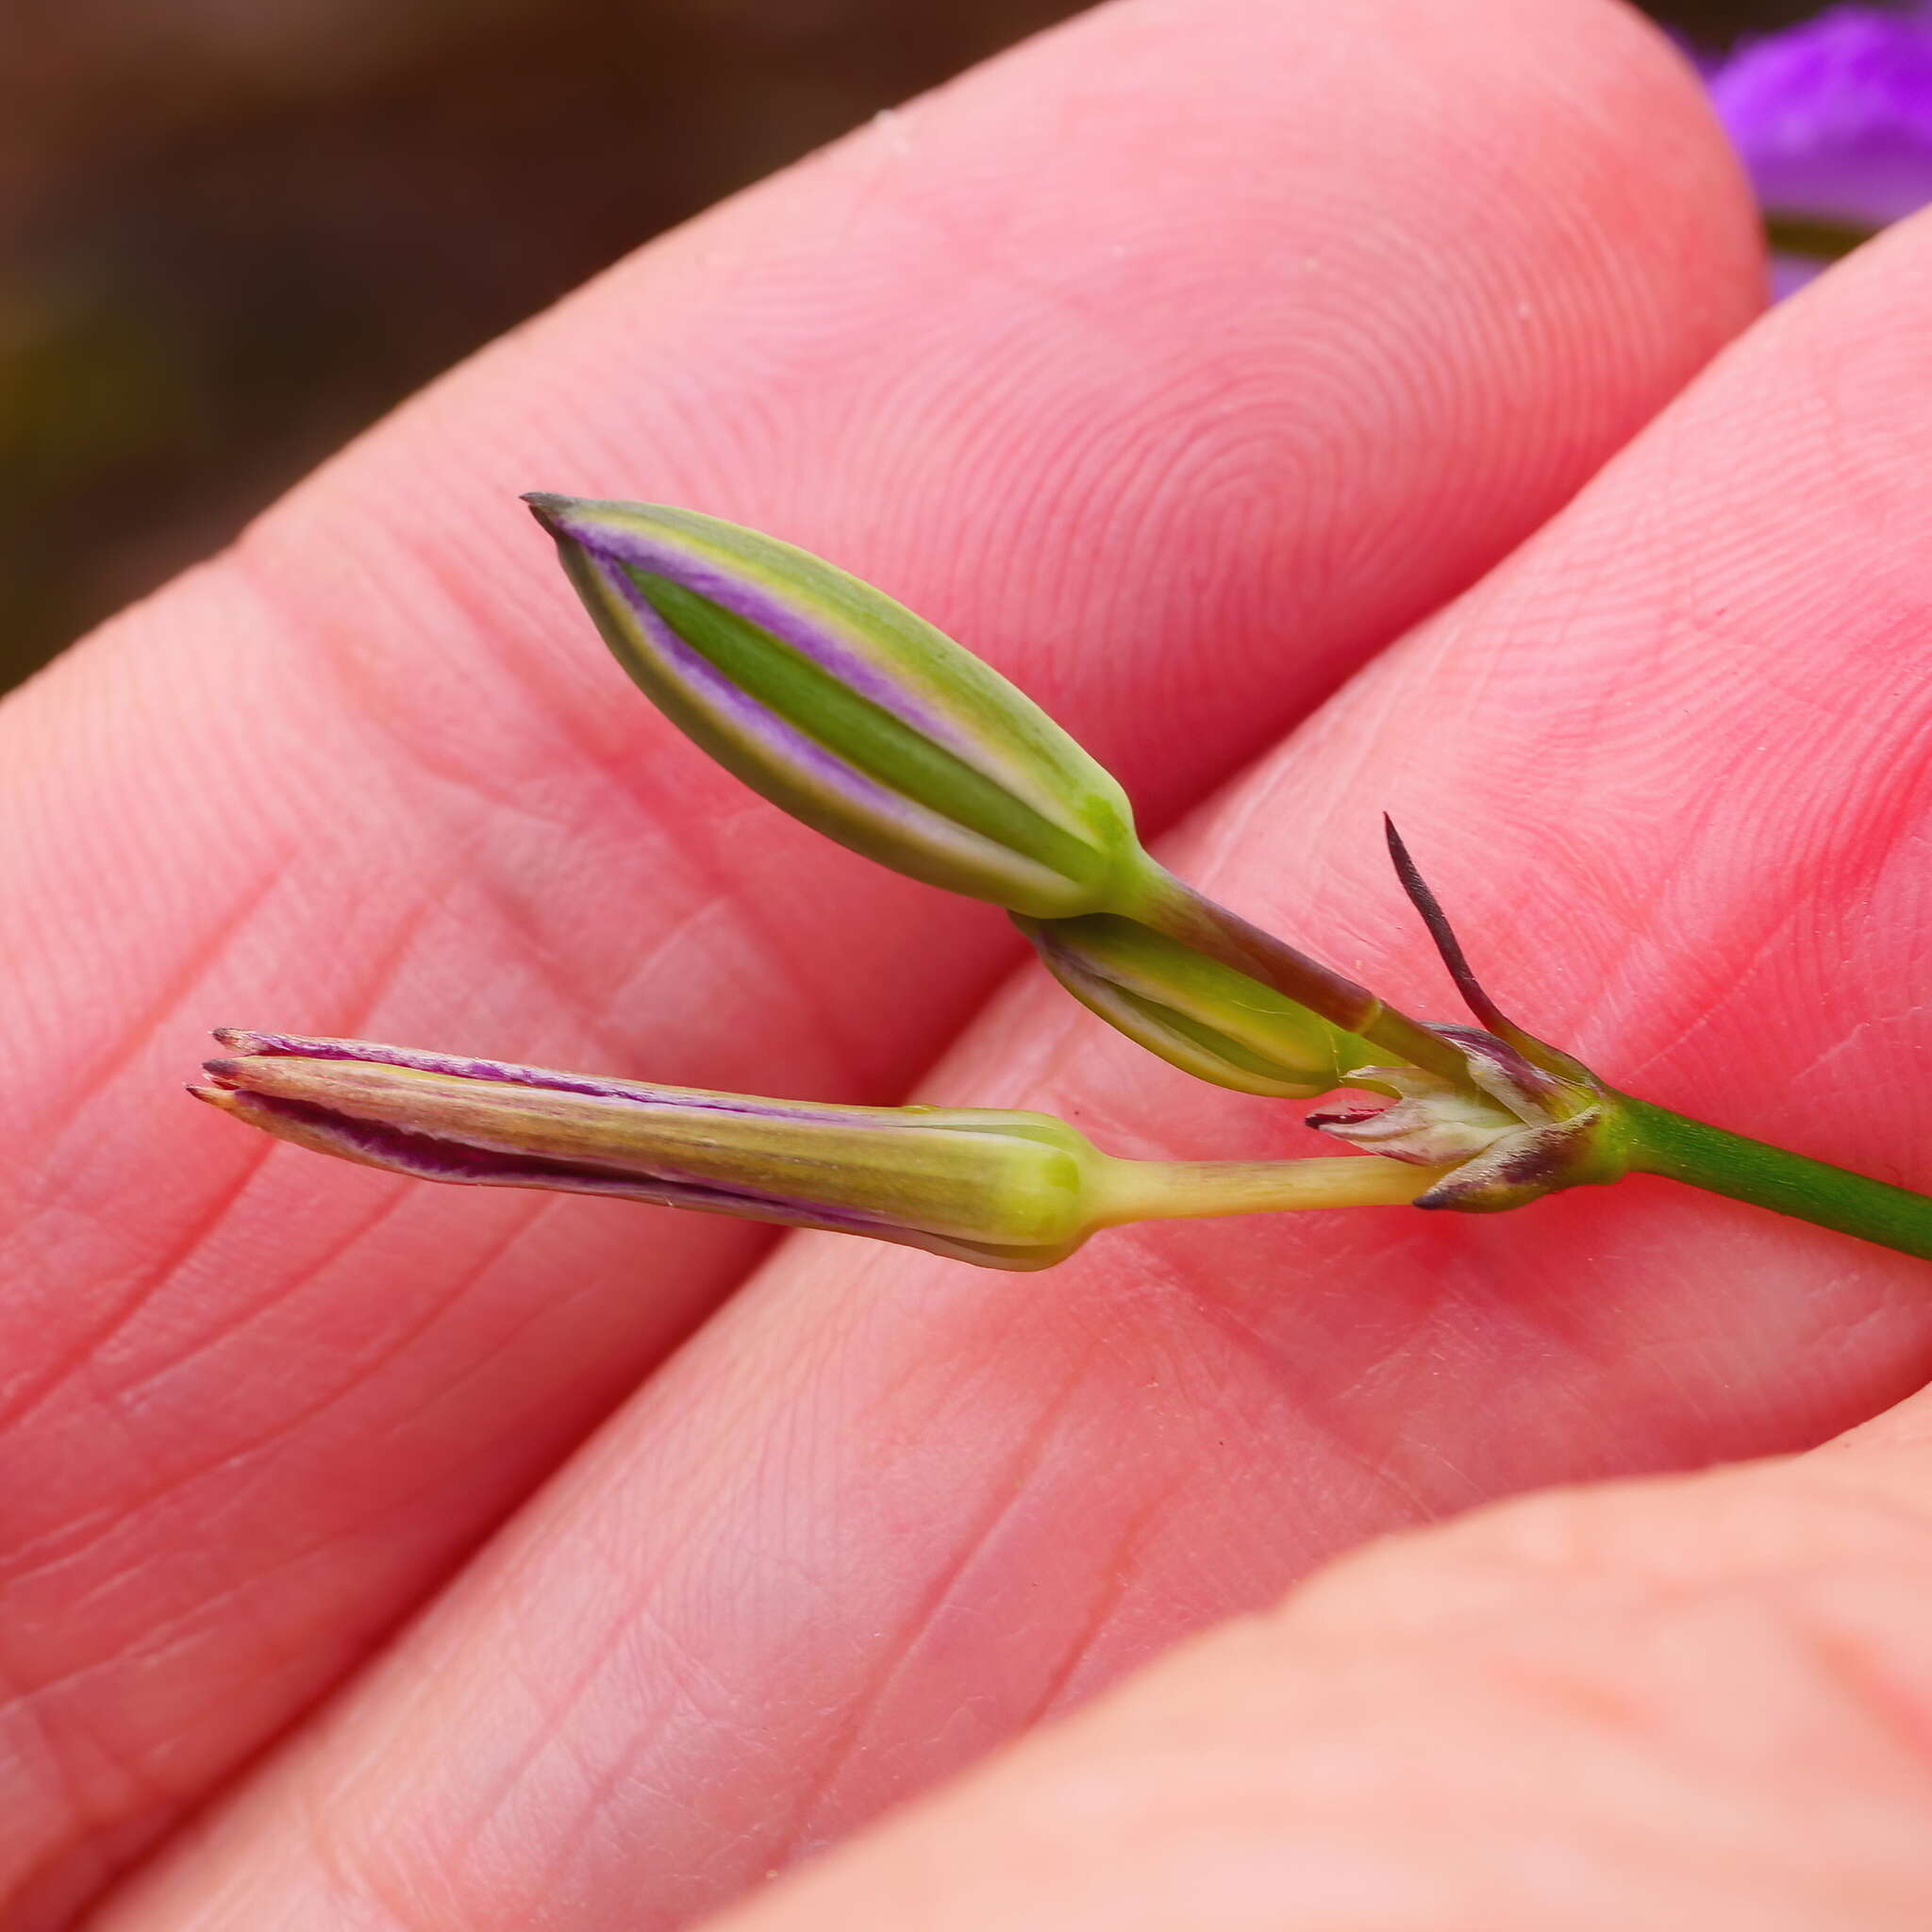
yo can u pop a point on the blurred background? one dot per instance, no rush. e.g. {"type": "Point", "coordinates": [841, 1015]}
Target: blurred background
{"type": "Point", "coordinates": [232, 232]}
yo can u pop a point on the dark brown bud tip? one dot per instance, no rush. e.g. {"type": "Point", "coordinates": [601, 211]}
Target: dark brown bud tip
{"type": "Point", "coordinates": [243, 1039]}
{"type": "Point", "coordinates": [545, 505]}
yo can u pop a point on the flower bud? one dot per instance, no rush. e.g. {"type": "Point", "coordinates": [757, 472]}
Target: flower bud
{"type": "Point", "coordinates": [1196, 1013]}
{"type": "Point", "coordinates": [845, 709]}
{"type": "Point", "coordinates": [1006, 1190]}
{"type": "Point", "coordinates": [1002, 1189]}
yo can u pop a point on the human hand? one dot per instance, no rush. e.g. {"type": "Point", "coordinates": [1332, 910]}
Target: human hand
{"type": "Point", "coordinates": [1178, 364]}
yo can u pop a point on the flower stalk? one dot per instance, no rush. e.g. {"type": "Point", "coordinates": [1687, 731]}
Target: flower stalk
{"type": "Point", "coordinates": [1657, 1141]}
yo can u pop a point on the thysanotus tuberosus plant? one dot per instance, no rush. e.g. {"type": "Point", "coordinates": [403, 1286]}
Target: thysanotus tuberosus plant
{"type": "Point", "coordinates": [862, 720]}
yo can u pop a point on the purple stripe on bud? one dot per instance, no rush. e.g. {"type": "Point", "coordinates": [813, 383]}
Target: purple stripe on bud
{"type": "Point", "coordinates": [428, 1158]}
{"type": "Point", "coordinates": [626, 543]}
{"type": "Point", "coordinates": [847, 710]}
{"type": "Point", "coordinates": [816, 765]}
{"type": "Point", "coordinates": [367, 1052]}
{"type": "Point", "coordinates": [1005, 1188]}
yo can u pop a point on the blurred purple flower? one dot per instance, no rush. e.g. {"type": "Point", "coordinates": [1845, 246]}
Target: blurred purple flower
{"type": "Point", "coordinates": [1834, 120]}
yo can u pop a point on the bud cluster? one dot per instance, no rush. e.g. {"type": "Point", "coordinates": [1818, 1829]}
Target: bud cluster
{"type": "Point", "coordinates": [859, 719]}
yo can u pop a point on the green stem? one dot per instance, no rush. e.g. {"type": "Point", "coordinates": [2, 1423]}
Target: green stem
{"type": "Point", "coordinates": [1196, 1189]}
{"type": "Point", "coordinates": [1174, 908]}
{"type": "Point", "coordinates": [1661, 1142]}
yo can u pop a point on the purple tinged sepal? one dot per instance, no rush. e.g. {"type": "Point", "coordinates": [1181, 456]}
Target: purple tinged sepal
{"type": "Point", "coordinates": [995, 1188]}
{"type": "Point", "coordinates": [1431, 1120]}
{"type": "Point", "coordinates": [1500, 1147]}
{"type": "Point", "coordinates": [1517, 1118]}
{"type": "Point", "coordinates": [847, 710]}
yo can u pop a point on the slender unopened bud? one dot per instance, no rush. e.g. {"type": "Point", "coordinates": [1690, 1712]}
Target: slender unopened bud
{"type": "Point", "coordinates": [1004, 1189]}
{"type": "Point", "coordinates": [1196, 1013]}
{"type": "Point", "coordinates": [845, 709]}
{"type": "Point", "coordinates": [1010, 1189]}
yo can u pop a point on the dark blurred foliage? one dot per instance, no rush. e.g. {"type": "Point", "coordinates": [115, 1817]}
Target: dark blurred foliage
{"type": "Point", "coordinates": [1716, 22]}
{"type": "Point", "coordinates": [234, 231]}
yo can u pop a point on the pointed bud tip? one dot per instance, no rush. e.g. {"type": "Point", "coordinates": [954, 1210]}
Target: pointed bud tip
{"type": "Point", "coordinates": [588, 521]}
{"type": "Point", "coordinates": [545, 504]}
{"type": "Point", "coordinates": [225, 1074]}
{"type": "Point", "coordinates": [590, 518]}
{"type": "Point", "coordinates": [569, 516]}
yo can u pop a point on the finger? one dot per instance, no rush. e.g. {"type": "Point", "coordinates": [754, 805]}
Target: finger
{"type": "Point", "coordinates": [879, 1516]}
{"type": "Point", "coordinates": [1139, 362]}
{"type": "Point", "coordinates": [1704, 1702]}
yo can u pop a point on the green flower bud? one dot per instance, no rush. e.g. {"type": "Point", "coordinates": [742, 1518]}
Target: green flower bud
{"type": "Point", "coordinates": [1197, 1014]}
{"type": "Point", "coordinates": [999, 1188]}
{"type": "Point", "coordinates": [845, 709]}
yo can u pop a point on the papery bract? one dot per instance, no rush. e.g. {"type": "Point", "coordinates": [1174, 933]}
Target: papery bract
{"type": "Point", "coordinates": [1501, 1146]}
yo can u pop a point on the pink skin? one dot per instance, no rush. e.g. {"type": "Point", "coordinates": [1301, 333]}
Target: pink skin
{"type": "Point", "coordinates": [1177, 363]}
{"type": "Point", "coordinates": [1701, 1703]}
